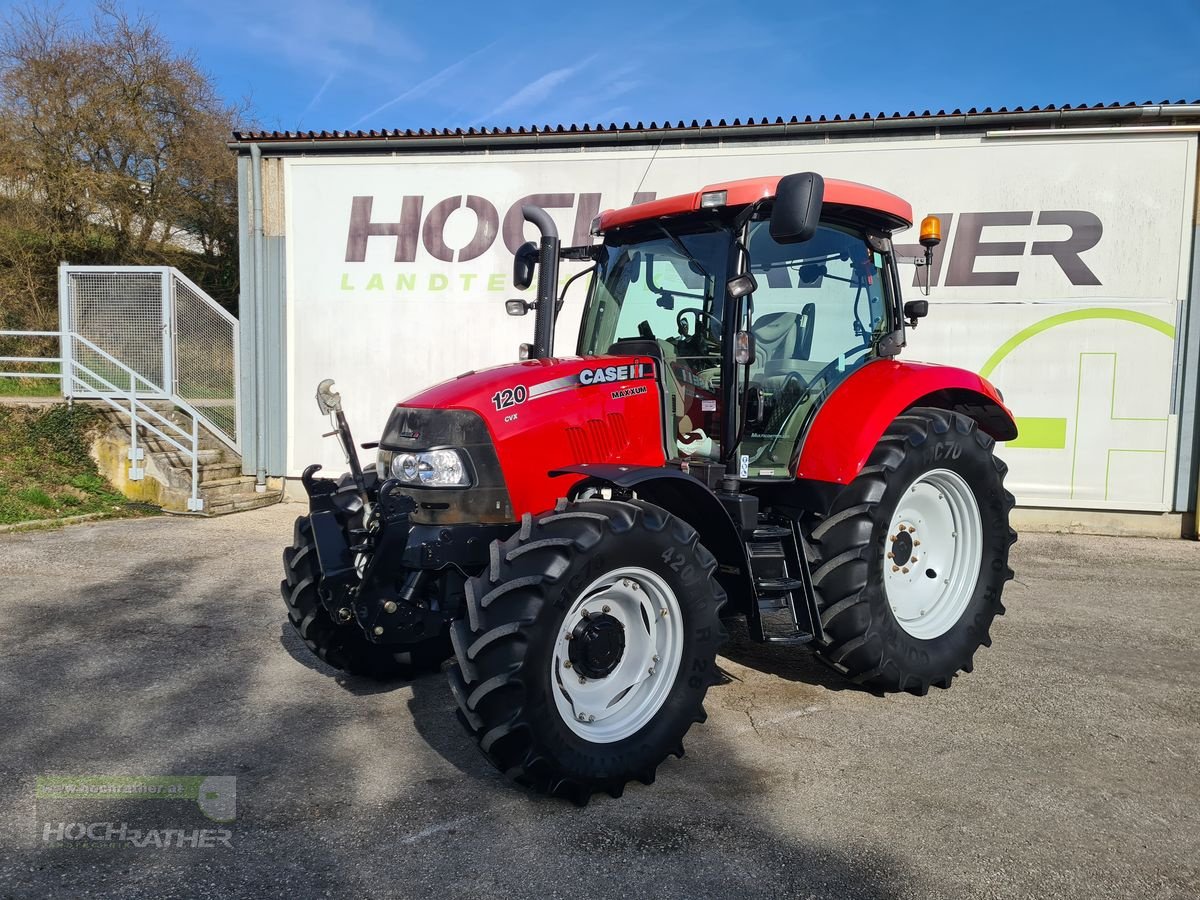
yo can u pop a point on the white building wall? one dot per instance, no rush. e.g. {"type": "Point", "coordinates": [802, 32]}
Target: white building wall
{"type": "Point", "coordinates": [1062, 278]}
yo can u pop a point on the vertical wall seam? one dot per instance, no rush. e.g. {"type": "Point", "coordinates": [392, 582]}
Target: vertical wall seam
{"type": "Point", "coordinates": [260, 467]}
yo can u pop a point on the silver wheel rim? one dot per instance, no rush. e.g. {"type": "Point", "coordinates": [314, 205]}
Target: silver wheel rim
{"type": "Point", "coordinates": [934, 551]}
{"type": "Point", "coordinates": [621, 703]}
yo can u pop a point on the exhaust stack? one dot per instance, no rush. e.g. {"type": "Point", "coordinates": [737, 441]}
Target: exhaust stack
{"type": "Point", "coordinates": [543, 322]}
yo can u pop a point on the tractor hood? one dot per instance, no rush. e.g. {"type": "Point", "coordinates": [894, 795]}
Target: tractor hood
{"type": "Point", "coordinates": [540, 415]}
{"type": "Point", "coordinates": [531, 380]}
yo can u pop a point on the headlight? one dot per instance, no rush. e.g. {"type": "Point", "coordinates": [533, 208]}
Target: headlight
{"type": "Point", "coordinates": [431, 468]}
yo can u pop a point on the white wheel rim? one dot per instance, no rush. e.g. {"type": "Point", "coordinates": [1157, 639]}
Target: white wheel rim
{"type": "Point", "coordinates": [937, 530]}
{"type": "Point", "coordinates": [621, 703]}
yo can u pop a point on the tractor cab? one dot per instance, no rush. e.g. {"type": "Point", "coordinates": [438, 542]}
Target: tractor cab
{"type": "Point", "coordinates": [817, 309]}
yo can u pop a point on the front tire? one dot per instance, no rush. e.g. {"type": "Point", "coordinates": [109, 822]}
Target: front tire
{"type": "Point", "coordinates": [342, 644]}
{"type": "Point", "coordinates": [913, 556]}
{"type": "Point", "coordinates": [588, 647]}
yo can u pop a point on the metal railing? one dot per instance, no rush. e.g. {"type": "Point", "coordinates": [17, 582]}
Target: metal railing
{"type": "Point", "coordinates": [81, 380]}
{"type": "Point", "coordinates": [157, 322]}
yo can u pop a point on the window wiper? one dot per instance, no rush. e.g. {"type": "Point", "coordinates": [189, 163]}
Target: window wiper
{"type": "Point", "coordinates": [682, 248]}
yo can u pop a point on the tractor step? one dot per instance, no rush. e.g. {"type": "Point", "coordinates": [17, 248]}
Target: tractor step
{"type": "Point", "coordinates": [777, 622]}
{"type": "Point", "coordinates": [785, 611]}
{"type": "Point", "coordinates": [771, 533]}
{"type": "Point", "coordinates": [782, 585]}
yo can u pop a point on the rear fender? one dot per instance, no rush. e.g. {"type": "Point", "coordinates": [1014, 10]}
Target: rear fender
{"type": "Point", "coordinates": [689, 499]}
{"type": "Point", "coordinates": [854, 417]}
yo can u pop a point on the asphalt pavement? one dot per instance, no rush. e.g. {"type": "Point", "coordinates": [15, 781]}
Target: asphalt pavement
{"type": "Point", "coordinates": [1066, 765]}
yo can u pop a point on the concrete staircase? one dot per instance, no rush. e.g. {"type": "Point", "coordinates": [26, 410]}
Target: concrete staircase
{"type": "Point", "coordinates": [167, 473]}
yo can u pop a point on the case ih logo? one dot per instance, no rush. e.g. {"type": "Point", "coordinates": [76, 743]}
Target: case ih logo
{"type": "Point", "coordinates": [607, 374]}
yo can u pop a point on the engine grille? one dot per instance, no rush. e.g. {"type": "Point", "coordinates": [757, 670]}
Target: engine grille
{"type": "Point", "coordinates": [601, 440]}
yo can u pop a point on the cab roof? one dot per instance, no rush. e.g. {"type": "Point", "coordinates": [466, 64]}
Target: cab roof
{"type": "Point", "coordinates": [886, 209]}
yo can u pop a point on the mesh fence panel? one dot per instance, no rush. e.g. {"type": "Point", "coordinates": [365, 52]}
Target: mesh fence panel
{"type": "Point", "coordinates": [121, 313]}
{"type": "Point", "coordinates": [205, 350]}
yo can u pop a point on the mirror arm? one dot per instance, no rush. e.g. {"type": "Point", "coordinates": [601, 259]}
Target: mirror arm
{"type": "Point", "coordinates": [562, 295]}
{"type": "Point", "coordinates": [582, 253]}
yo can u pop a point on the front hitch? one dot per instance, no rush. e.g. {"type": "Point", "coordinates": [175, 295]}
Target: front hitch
{"type": "Point", "coordinates": [383, 596]}
{"type": "Point", "coordinates": [363, 576]}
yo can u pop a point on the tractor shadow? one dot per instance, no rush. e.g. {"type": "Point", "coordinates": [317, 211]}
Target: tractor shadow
{"type": "Point", "coordinates": [360, 686]}
{"type": "Point", "coordinates": [791, 663]}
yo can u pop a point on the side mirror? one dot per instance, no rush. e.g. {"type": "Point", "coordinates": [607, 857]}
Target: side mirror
{"type": "Point", "coordinates": [742, 285]}
{"type": "Point", "coordinates": [523, 266]}
{"type": "Point", "coordinates": [797, 208]}
{"type": "Point", "coordinates": [516, 307]}
{"type": "Point", "coordinates": [915, 309]}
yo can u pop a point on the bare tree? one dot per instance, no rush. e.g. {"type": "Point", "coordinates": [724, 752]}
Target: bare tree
{"type": "Point", "coordinates": [111, 151]}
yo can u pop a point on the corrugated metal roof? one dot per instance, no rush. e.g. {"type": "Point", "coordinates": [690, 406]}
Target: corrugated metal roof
{"type": "Point", "coordinates": [1185, 109]}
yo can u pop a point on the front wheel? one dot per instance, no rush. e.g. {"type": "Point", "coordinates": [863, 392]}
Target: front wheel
{"type": "Point", "coordinates": [588, 647]}
{"type": "Point", "coordinates": [913, 556]}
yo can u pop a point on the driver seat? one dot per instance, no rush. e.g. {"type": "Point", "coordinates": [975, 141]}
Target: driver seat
{"type": "Point", "coordinates": [783, 341]}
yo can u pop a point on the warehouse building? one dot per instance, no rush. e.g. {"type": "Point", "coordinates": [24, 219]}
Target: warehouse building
{"type": "Point", "coordinates": [382, 260]}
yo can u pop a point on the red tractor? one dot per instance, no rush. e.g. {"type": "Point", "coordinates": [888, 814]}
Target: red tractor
{"type": "Point", "coordinates": [735, 437]}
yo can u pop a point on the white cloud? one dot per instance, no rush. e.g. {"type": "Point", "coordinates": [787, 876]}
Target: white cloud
{"type": "Point", "coordinates": [316, 97]}
{"type": "Point", "coordinates": [538, 90]}
{"type": "Point", "coordinates": [429, 84]}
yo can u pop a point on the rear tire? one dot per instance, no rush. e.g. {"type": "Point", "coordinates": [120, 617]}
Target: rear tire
{"type": "Point", "coordinates": [915, 618]}
{"type": "Point", "coordinates": [343, 645]}
{"type": "Point", "coordinates": [634, 588]}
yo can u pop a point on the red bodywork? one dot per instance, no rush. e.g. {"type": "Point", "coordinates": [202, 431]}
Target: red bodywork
{"type": "Point", "coordinates": [564, 422]}
{"type": "Point", "coordinates": [554, 413]}
{"type": "Point", "coordinates": [856, 414]}
{"type": "Point", "coordinates": [561, 423]}
{"type": "Point", "coordinates": [750, 190]}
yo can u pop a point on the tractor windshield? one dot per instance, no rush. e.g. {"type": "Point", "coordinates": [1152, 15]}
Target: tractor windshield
{"type": "Point", "coordinates": [663, 294]}
{"type": "Point", "coordinates": [819, 311]}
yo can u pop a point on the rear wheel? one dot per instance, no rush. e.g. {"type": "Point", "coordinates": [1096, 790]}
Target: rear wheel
{"type": "Point", "coordinates": [913, 556]}
{"type": "Point", "coordinates": [342, 644]}
{"type": "Point", "coordinates": [589, 645]}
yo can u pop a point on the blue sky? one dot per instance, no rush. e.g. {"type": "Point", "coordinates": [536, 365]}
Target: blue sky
{"type": "Point", "coordinates": [377, 64]}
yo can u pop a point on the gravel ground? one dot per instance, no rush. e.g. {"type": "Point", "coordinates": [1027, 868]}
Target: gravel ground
{"type": "Point", "coordinates": [1065, 766]}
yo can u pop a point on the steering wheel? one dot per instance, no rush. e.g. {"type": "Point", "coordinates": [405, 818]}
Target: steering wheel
{"type": "Point", "coordinates": [699, 314]}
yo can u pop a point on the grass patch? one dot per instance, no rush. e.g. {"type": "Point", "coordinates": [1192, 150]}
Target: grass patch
{"type": "Point", "coordinates": [30, 387]}
{"type": "Point", "coordinates": [45, 469]}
